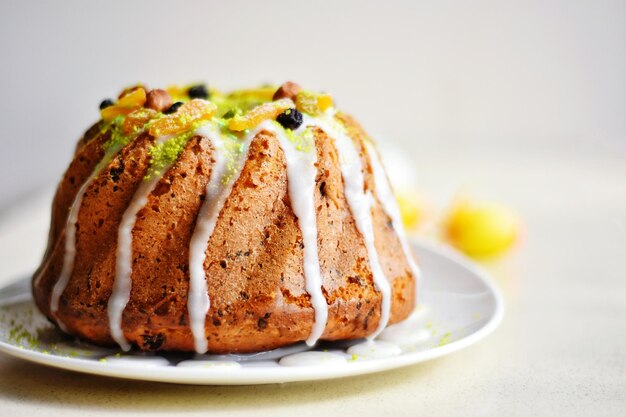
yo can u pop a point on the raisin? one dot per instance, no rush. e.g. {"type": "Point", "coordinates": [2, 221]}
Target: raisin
{"type": "Point", "coordinates": [153, 342]}
{"type": "Point", "coordinates": [198, 91]}
{"type": "Point", "coordinates": [262, 323]}
{"type": "Point", "coordinates": [259, 114]}
{"type": "Point", "coordinates": [189, 113]}
{"type": "Point", "coordinates": [290, 119]}
{"type": "Point", "coordinates": [172, 109]}
{"type": "Point", "coordinates": [106, 103]}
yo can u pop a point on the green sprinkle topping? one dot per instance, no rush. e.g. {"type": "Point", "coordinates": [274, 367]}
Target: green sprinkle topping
{"type": "Point", "coordinates": [118, 139]}
{"type": "Point", "coordinates": [125, 128]}
{"type": "Point", "coordinates": [164, 154]}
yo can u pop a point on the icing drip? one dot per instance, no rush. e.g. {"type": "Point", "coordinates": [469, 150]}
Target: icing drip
{"type": "Point", "coordinates": [410, 331]}
{"type": "Point", "coordinates": [136, 361]}
{"type": "Point", "coordinates": [360, 204]}
{"type": "Point", "coordinates": [198, 302]}
{"type": "Point", "coordinates": [390, 206]}
{"type": "Point", "coordinates": [263, 356]}
{"type": "Point", "coordinates": [301, 173]}
{"type": "Point", "coordinates": [218, 366]}
{"type": "Point", "coordinates": [314, 358]}
{"type": "Point", "coordinates": [69, 255]}
{"type": "Point", "coordinates": [374, 350]}
{"type": "Point", "coordinates": [123, 260]}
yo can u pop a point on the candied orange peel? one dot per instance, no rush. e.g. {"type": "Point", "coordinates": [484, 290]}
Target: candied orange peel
{"type": "Point", "coordinates": [136, 120]}
{"type": "Point", "coordinates": [130, 102]}
{"type": "Point", "coordinates": [111, 112]}
{"type": "Point", "coordinates": [176, 92]}
{"type": "Point", "coordinates": [324, 101]}
{"type": "Point", "coordinates": [188, 114]}
{"type": "Point", "coordinates": [135, 98]}
{"type": "Point", "coordinates": [313, 104]}
{"type": "Point", "coordinates": [260, 94]}
{"type": "Point", "coordinates": [265, 111]}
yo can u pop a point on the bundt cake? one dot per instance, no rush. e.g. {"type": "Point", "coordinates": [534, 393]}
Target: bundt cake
{"type": "Point", "coordinates": [191, 220]}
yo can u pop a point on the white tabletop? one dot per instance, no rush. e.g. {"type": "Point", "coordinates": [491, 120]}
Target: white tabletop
{"type": "Point", "coordinates": [561, 349]}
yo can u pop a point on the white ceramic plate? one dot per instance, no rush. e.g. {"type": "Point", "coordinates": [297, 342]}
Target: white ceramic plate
{"type": "Point", "coordinates": [459, 306]}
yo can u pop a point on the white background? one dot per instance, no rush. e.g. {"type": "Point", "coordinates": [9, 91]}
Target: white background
{"type": "Point", "coordinates": [481, 75]}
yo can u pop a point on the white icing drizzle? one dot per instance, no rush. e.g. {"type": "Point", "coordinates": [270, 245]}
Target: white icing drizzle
{"type": "Point", "coordinates": [258, 356]}
{"type": "Point", "coordinates": [124, 254]}
{"type": "Point", "coordinates": [409, 331]}
{"type": "Point", "coordinates": [388, 201]}
{"type": "Point", "coordinates": [301, 173]}
{"type": "Point", "coordinates": [69, 255]}
{"type": "Point", "coordinates": [198, 302]}
{"type": "Point", "coordinates": [136, 361]}
{"type": "Point", "coordinates": [313, 358]}
{"type": "Point", "coordinates": [360, 204]}
{"type": "Point", "coordinates": [208, 364]}
{"type": "Point", "coordinates": [373, 349]}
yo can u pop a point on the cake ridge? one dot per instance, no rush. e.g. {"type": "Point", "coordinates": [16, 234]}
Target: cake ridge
{"type": "Point", "coordinates": [301, 173]}
{"type": "Point", "coordinates": [360, 203]}
{"type": "Point", "coordinates": [70, 234]}
{"type": "Point", "coordinates": [199, 302]}
{"type": "Point", "coordinates": [123, 267]}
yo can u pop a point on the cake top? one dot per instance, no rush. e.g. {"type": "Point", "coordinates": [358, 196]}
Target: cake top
{"type": "Point", "coordinates": [176, 113]}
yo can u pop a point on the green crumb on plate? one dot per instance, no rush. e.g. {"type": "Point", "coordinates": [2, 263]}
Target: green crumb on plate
{"type": "Point", "coordinates": [445, 339]}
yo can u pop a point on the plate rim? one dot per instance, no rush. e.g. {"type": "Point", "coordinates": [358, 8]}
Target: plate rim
{"type": "Point", "coordinates": [260, 375]}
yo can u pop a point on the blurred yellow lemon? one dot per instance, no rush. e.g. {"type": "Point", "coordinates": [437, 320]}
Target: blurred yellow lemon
{"type": "Point", "coordinates": [481, 229]}
{"type": "Point", "coordinates": [412, 207]}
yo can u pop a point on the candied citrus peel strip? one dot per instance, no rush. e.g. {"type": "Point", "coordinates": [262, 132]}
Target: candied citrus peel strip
{"type": "Point", "coordinates": [111, 112]}
{"type": "Point", "coordinates": [126, 105]}
{"type": "Point", "coordinates": [261, 93]}
{"type": "Point", "coordinates": [313, 104]}
{"type": "Point", "coordinates": [306, 103]}
{"type": "Point", "coordinates": [176, 92]}
{"type": "Point", "coordinates": [265, 111]}
{"type": "Point", "coordinates": [324, 101]}
{"type": "Point", "coordinates": [136, 120]}
{"type": "Point", "coordinates": [188, 114]}
{"type": "Point", "coordinates": [135, 98]}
